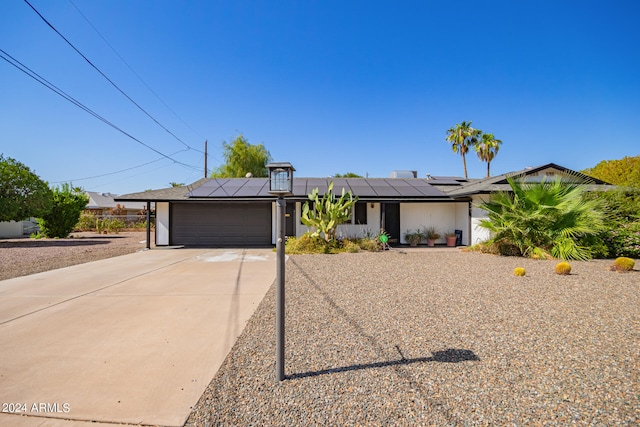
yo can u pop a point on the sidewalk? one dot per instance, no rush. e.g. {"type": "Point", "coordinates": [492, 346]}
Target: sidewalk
{"type": "Point", "coordinates": [134, 339]}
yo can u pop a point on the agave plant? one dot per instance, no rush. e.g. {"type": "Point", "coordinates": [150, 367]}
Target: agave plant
{"type": "Point", "coordinates": [546, 217]}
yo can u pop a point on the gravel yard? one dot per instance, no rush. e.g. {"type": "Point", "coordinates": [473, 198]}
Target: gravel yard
{"type": "Point", "coordinates": [20, 257]}
{"type": "Point", "coordinates": [437, 338]}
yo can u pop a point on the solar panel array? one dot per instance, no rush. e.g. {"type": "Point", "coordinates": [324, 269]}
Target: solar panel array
{"type": "Point", "coordinates": [361, 187]}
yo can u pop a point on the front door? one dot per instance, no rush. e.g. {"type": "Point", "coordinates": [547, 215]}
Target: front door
{"type": "Point", "coordinates": [390, 220]}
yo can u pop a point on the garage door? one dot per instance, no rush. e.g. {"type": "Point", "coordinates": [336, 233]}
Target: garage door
{"type": "Point", "coordinates": [221, 224]}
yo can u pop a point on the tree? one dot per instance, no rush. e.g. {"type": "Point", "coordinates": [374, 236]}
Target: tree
{"type": "Point", "coordinates": [461, 137]}
{"type": "Point", "coordinates": [487, 149]}
{"type": "Point", "coordinates": [327, 212]}
{"type": "Point", "coordinates": [22, 193]}
{"type": "Point", "coordinates": [347, 175]}
{"type": "Point", "coordinates": [624, 172]}
{"type": "Point", "coordinates": [545, 217]}
{"type": "Point", "coordinates": [68, 204]}
{"type": "Point", "coordinates": [242, 158]}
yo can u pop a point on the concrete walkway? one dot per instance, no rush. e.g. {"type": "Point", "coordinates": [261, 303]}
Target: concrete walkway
{"type": "Point", "coordinates": [132, 340]}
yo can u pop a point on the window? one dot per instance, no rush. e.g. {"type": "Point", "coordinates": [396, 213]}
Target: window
{"type": "Point", "coordinates": [360, 213]}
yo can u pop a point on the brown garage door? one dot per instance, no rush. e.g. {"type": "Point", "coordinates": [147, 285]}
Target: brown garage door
{"type": "Point", "coordinates": [221, 224]}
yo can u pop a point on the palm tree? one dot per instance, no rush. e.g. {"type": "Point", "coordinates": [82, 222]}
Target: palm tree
{"type": "Point", "coordinates": [487, 148]}
{"type": "Point", "coordinates": [544, 218]}
{"type": "Point", "coordinates": [462, 136]}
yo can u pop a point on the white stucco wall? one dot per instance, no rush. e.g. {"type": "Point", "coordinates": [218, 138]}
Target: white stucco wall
{"type": "Point", "coordinates": [162, 223]}
{"type": "Point", "coordinates": [479, 234]}
{"type": "Point", "coordinates": [446, 217]}
{"type": "Point", "coordinates": [11, 229]}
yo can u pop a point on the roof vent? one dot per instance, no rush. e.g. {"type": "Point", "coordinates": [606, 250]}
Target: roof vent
{"type": "Point", "coordinates": [404, 174]}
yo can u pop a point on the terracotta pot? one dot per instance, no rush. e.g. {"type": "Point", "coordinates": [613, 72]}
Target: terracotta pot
{"type": "Point", "coordinates": [451, 241]}
{"type": "Point", "coordinates": [431, 242]}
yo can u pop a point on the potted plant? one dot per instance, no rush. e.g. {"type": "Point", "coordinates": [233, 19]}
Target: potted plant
{"type": "Point", "coordinates": [431, 234]}
{"type": "Point", "coordinates": [413, 238]}
{"type": "Point", "coordinates": [451, 238]}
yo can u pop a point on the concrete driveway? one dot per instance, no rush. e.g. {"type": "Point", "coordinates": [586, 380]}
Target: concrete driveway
{"type": "Point", "coordinates": [133, 339]}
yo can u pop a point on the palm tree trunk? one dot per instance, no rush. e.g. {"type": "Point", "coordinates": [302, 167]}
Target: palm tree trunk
{"type": "Point", "coordinates": [464, 163]}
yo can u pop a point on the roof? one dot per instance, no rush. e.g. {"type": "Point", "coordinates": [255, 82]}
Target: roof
{"type": "Point", "coordinates": [107, 201]}
{"type": "Point", "coordinates": [500, 182]}
{"type": "Point", "coordinates": [367, 189]}
{"type": "Point", "coordinates": [432, 189]}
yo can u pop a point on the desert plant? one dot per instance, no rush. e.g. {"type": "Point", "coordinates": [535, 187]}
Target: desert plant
{"type": "Point", "coordinates": [623, 264]}
{"type": "Point", "coordinates": [563, 268]}
{"type": "Point", "coordinates": [413, 237]}
{"type": "Point", "coordinates": [431, 233]}
{"type": "Point", "coordinates": [370, 244]}
{"type": "Point", "coordinates": [350, 246]}
{"type": "Point", "coordinates": [87, 222]}
{"type": "Point", "coordinates": [114, 225]}
{"type": "Point", "coordinates": [327, 212]}
{"type": "Point", "coordinates": [519, 271]}
{"type": "Point", "coordinates": [550, 216]}
{"type": "Point", "coordinates": [310, 244]}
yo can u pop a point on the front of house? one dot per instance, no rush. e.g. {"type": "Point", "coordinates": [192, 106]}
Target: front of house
{"type": "Point", "coordinates": [240, 212]}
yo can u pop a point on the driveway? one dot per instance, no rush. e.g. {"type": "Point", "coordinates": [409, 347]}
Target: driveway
{"type": "Point", "coordinates": [133, 339]}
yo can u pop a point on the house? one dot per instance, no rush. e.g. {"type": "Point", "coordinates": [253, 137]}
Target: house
{"type": "Point", "coordinates": [104, 204]}
{"type": "Point", "coordinates": [228, 212]}
{"type": "Point", "coordinates": [480, 190]}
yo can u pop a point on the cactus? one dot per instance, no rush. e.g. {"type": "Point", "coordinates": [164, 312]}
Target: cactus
{"type": "Point", "coordinates": [327, 212]}
{"type": "Point", "coordinates": [563, 268]}
{"type": "Point", "coordinates": [519, 271]}
{"type": "Point", "coordinates": [623, 264]}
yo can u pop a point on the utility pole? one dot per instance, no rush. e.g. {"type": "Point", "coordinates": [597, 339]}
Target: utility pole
{"type": "Point", "coordinates": [205, 158]}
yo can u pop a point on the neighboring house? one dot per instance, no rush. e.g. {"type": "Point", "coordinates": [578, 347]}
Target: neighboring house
{"type": "Point", "coordinates": [103, 203]}
{"type": "Point", "coordinates": [238, 212]}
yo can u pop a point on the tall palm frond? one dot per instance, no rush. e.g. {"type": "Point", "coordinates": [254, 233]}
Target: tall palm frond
{"type": "Point", "coordinates": [487, 148]}
{"type": "Point", "coordinates": [461, 137]}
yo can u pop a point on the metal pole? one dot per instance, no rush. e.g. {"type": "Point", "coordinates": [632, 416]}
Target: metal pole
{"type": "Point", "coordinates": [148, 225]}
{"type": "Point", "coordinates": [280, 228]}
{"type": "Point", "coordinates": [205, 158]}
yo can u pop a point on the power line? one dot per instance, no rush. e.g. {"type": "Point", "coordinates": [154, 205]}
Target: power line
{"type": "Point", "coordinates": [128, 177]}
{"type": "Point", "coordinates": [116, 172]}
{"type": "Point", "coordinates": [20, 66]}
{"type": "Point", "coordinates": [105, 76]}
{"type": "Point", "coordinates": [134, 72]}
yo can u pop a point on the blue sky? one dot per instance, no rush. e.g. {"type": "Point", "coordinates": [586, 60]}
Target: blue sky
{"type": "Point", "coordinates": [330, 86]}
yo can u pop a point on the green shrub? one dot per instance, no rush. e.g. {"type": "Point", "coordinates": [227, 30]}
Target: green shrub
{"type": "Point", "coordinates": [68, 204]}
{"type": "Point", "coordinates": [624, 240]}
{"type": "Point", "coordinates": [309, 243]}
{"type": "Point", "coordinates": [306, 244]}
{"type": "Point", "coordinates": [350, 246]}
{"type": "Point", "coordinates": [87, 222]}
{"type": "Point", "coordinates": [519, 271]}
{"type": "Point", "coordinates": [563, 268]}
{"type": "Point", "coordinates": [114, 225]}
{"type": "Point", "coordinates": [370, 244]}
{"type": "Point", "coordinates": [506, 248]}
